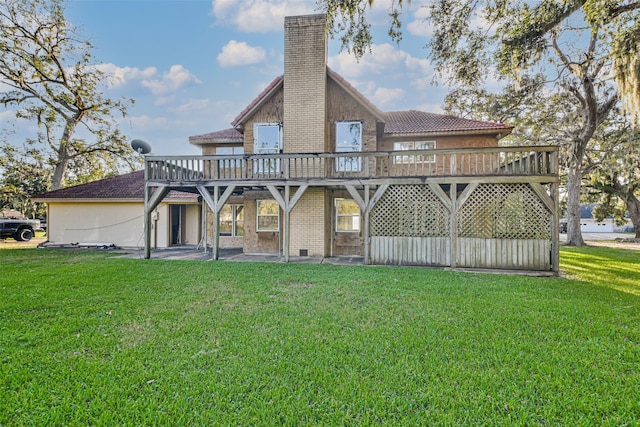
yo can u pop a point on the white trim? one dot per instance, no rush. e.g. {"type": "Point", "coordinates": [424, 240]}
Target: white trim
{"type": "Point", "coordinates": [353, 216]}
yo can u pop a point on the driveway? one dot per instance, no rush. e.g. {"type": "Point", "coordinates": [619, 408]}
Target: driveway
{"type": "Point", "coordinates": [599, 236]}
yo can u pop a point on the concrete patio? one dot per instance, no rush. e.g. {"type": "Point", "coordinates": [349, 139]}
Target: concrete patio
{"type": "Point", "coordinates": [190, 252]}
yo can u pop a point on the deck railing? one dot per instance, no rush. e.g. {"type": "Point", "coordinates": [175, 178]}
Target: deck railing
{"type": "Point", "coordinates": [495, 161]}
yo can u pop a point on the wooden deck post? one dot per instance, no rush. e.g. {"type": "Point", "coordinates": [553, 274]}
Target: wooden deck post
{"type": "Point", "coordinates": [147, 219]}
{"type": "Point", "coordinates": [453, 227]}
{"type": "Point", "coordinates": [366, 214]}
{"type": "Point", "coordinates": [215, 203]}
{"type": "Point", "coordinates": [215, 242]}
{"type": "Point", "coordinates": [287, 204]}
{"type": "Point", "coordinates": [151, 201]}
{"type": "Point", "coordinates": [287, 224]}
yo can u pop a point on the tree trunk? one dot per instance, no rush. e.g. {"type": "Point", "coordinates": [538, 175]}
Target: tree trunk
{"type": "Point", "coordinates": [574, 183]}
{"type": "Point", "coordinates": [57, 180]}
{"type": "Point", "coordinates": [633, 205]}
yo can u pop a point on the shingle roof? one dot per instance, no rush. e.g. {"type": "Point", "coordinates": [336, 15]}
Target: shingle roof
{"type": "Point", "coordinates": [129, 186]}
{"type": "Point", "coordinates": [414, 121]}
{"type": "Point", "coordinates": [396, 122]}
{"type": "Point", "coordinates": [221, 136]}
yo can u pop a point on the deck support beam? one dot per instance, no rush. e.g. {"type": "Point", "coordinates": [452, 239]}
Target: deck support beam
{"type": "Point", "coordinates": [554, 209]}
{"type": "Point", "coordinates": [215, 203]}
{"type": "Point", "coordinates": [287, 203]}
{"type": "Point", "coordinates": [151, 201]}
{"type": "Point", "coordinates": [366, 205]}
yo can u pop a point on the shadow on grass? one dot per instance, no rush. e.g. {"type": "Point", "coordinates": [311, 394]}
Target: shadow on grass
{"type": "Point", "coordinates": [614, 268]}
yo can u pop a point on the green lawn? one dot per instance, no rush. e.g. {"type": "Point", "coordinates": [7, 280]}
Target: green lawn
{"type": "Point", "coordinates": [90, 339]}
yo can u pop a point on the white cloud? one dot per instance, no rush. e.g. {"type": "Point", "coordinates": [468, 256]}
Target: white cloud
{"type": "Point", "coordinates": [119, 76]}
{"type": "Point", "coordinates": [236, 54]}
{"type": "Point", "coordinates": [384, 59]}
{"type": "Point", "coordinates": [431, 108]}
{"type": "Point", "coordinates": [177, 78]}
{"type": "Point", "coordinates": [383, 96]}
{"type": "Point", "coordinates": [222, 8]}
{"type": "Point", "coordinates": [7, 115]}
{"type": "Point", "coordinates": [258, 16]}
{"type": "Point", "coordinates": [420, 26]}
{"type": "Point", "coordinates": [141, 123]}
{"type": "Point", "coordinates": [192, 105]}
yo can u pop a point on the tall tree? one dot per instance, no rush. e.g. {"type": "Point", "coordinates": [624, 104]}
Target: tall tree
{"type": "Point", "coordinates": [577, 44]}
{"type": "Point", "coordinates": [51, 77]}
{"type": "Point", "coordinates": [614, 182]}
{"type": "Point", "coordinates": [538, 117]}
{"type": "Point", "coordinates": [514, 35]}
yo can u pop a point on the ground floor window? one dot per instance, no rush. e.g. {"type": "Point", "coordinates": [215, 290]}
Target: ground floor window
{"type": "Point", "coordinates": [414, 145]}
{"type": "Point", "coordinates": [232, 220]}
{"type": "Point", "coordinates": [347, 215]}
{"type": "Point", "coordinates": [268, 215]}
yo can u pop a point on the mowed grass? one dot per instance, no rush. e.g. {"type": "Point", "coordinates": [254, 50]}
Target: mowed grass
{"type": "Point", "coordinates": [90, 339]}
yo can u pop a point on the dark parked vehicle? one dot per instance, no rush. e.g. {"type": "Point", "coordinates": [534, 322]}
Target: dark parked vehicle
{"type": "Point", "coordinates": [20, 229]}
{"type": "Point", "coordinates": [563, 227]}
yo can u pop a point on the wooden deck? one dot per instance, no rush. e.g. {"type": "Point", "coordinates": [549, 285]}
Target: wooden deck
{"type": "Point", "coordinates": [521, 181]}
{"type": "Point", "coordinates": [534, 163]}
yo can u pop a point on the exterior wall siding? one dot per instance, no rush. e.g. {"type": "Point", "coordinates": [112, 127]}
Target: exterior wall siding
{"type": "Point", "coordinates": [254, 241]}
{"type": "Point", "coordinates": [343, 107]}
{"type": "Point", "coordinates": [119, 223]}
{"type": "Point", "coordinates": [271, 112]}
{"type": "Point", "coordinates": [308, 225]}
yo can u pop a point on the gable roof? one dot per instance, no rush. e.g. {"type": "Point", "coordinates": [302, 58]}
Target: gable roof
{"type": "Point", "coordinates": [413, 121]}
{"type": "Point", "coordinates": [396, 123]}
{"type": "Point", "coordinates": [263, 97]}
{"type": "Point", "coordinates": [357, 95]}
{"type": "Point", "coordinates": [127, 187]}
{"type": "Point", "coordinates": [278, 82]}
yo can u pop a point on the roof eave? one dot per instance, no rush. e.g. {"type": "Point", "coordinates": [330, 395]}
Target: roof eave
{"type": "Point", "coordinates": [85, 200]}
{"type": "Point", "coordinates": [501, 133]}
{"type": "Point", "coordinates": [211, 141]}
{"type": "Point", "coordinates": [238, 122]}
{"type": "Point", "coordinates": [379, 115]}
{"type": "Point", "coordinates": [111, 200]}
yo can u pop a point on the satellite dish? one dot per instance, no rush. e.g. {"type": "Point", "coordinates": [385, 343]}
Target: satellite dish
{"type": "Point", "coordinates": [142, 147]}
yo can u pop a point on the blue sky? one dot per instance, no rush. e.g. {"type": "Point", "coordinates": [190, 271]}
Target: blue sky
{"type": "Point", "coordinates": [193, 65]}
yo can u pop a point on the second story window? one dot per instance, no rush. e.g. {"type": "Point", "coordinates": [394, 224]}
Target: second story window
{"type": "Point", "coordinates": [229, 151]}
{"type": "Point", "coordinates": [349, 140]}
{"type": "Point", "coordinates": [415, 145]}
{"type": "Point", "coordinates": [267, 139]}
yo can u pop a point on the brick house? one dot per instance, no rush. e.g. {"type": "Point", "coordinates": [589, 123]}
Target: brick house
{"type": "Point", "coordinates": [312, 168]}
